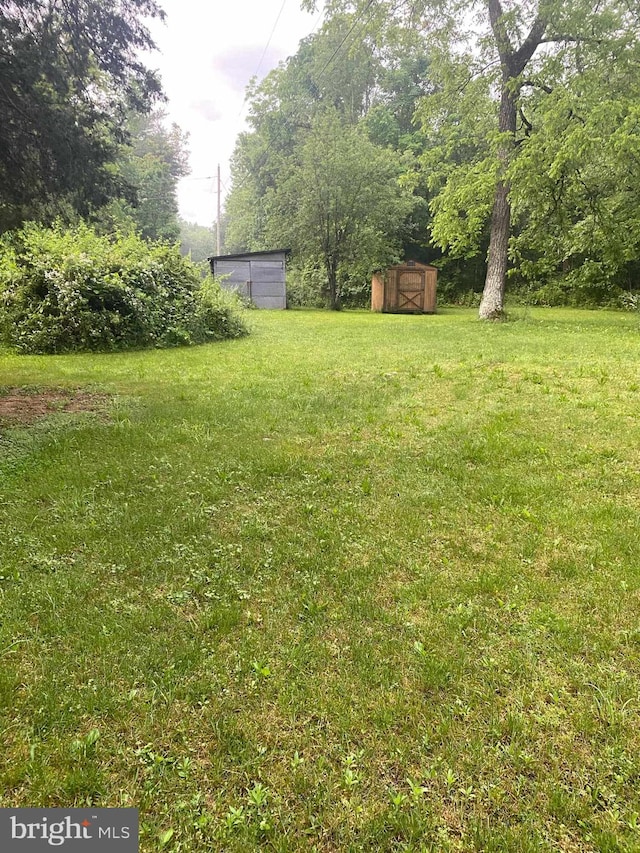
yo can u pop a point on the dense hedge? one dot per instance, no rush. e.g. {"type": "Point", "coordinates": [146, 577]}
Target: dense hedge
{"type": "Point", "coordinates": [72, 290]}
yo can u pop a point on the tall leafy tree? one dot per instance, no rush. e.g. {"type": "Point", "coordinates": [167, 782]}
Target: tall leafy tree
{"type": "Point", "coordinates": [458, 158]}
{"type": "Point", "coordinates": [153, 162]}
{"type": "Point", "coordinates": [69, 73]}
{"type": "Point", "coordinates": [325, 74]}
{"type": "Point", "coordinates": [576, 180]}
{"type": "Point", "coordinates": [327, 131]}
{"type": "Point", "coordinates": [197, 241]}
{"type": "Point", "coordinates": [343, 207]}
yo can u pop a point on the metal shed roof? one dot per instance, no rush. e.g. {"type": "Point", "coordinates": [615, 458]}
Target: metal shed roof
{"type": "Point", "coordinates": [239, 255]}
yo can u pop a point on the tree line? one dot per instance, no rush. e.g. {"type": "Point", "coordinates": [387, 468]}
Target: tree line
{"type": "Point", "coordinates": [498, 139]}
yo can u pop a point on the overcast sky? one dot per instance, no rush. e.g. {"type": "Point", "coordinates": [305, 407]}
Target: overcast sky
{"type": "Point", "coordinates": [208, 52]}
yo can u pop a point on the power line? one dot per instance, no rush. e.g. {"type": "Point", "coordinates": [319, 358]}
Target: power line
{"type": "Point", "coordinates": [266, 48]}
{"type": "Point", "coordinates": [318, 19]}
{"type": "Point", "coordinates": [337, 50]}
{"type": "Point", "coordinates": [273, 29]}
{"type": "Point", "coordinates": [205, 178]}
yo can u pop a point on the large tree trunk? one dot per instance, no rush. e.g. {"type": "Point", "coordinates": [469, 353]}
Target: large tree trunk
{"type": "Point", "coordinates": [335, 303]}
{"type": "Point", "coordinates": [513, 62]}
{"type": "Point", "coordinates": [492, 303]}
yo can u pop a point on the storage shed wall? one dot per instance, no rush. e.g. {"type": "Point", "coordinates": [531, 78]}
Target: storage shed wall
{"type": "Point", "coordinates": [430, 291]}
{"type": "Point", "coordinates": [377, 292]}
{"type": "Point", "coordinates": [260, 278]}
{"type": "Point", "coordinates": [405, 289]}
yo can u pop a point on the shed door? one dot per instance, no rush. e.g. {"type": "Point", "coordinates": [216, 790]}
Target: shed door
{"type": "Point", "coordinates": [411, 290]}
{"type": "Point", "coordinates": [236, 275]}
{"type": "Point", "coordinates": [267, 283]}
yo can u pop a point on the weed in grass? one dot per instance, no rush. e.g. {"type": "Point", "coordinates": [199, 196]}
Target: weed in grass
{"type": "Point", "coordinates": [609, 710]}
{"type": "Point", "coordinates": [417, 791]}
{"type": "Point", "coordinates": [297, 761]}
{"type": "Point", "coordinates": [83, 747]}
{"type": "Point", "coordinates": [261, 670]}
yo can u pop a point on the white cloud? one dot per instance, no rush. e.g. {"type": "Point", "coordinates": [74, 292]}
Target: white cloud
{"type": "Point", "coordinates": [209, 110]}
{"type": "Point", "coordinates": [238, 66]}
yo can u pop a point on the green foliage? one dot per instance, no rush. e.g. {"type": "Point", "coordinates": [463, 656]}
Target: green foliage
{"type": "Point", "coordinates": [461, 210]}
{"type": "Point", "coordinates": [322, 169]}
{"type": "Point", "coordinates": [196, 241]}
{"type": "Point", "coordinates": [459, 160]}
{"type": "Point", "coordinates": [338, 204]}
{"type": "Point", "coordinates": [218, 313]}
{"type": "Point", "coordinates": [69, 74]}
{"type": "Point", "coordinates": [576, 182]}
{"type": "Point", "coordinates": [630, 301]}
{"type": "Point", "coordinates": [588, 286]}
{"type": "Point", "coordinates": [69, 290]}
{"type": "Point", "coordinates": [343, 208]}
{"type": "Point", "coordinates": [539, 98]}
{"type": "Point", "coordinates": [306, 286]}
{"type": "Point", "coordinates": [533, 102]}
{"type": "Point", "coordinates": [151, 164]}
{"type": "Point", "coordinates": [460, 281]}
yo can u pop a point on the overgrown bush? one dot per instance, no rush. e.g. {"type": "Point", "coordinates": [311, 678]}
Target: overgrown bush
{"type": "Point", "coordinates": [218, 314]}
{"type": "Point", "coordinates": [630, 300]}
{"type": "Point", "coordinates": [570, 290]}
{"type": "Point", "coordinates": [306, 286]}
{"type": "Point", "coordinates": [71, 290]}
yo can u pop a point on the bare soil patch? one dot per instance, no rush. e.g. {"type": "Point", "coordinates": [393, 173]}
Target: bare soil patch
{"type": "Point", "coordinates": [23, 406]}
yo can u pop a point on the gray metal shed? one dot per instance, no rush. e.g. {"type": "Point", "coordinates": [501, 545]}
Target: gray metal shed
{"type": "Point", "coordinates": [259, 276]}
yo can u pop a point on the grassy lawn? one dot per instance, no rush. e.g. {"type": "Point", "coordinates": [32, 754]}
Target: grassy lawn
{"type": "Point", "coordinates": [354, 583]}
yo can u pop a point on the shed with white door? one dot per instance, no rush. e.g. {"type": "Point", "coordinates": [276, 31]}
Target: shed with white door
{"type": "Point", "coordinates": [257, 276]}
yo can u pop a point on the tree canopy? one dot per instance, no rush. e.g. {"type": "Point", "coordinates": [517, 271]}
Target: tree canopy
{"type": "Point", "coordinates": [151, 164]}
{"type": "Point", "coordinates": [70, 73]}
{"type": "Point", "coordinates": [343, 206]}
{"type": "Point", "coordinates": [516, 86]}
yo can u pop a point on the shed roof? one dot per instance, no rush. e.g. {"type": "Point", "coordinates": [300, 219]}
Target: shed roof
{"type": "Point", "coordinates": [411, 264]}
{"type": "Point", "coordinates": [415, 264]}
{"type": "Point", "coordinates": [241, 255]}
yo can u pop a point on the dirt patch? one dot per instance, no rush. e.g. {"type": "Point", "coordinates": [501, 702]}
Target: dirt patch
{"type": "Point", "coordinates": [23, 406]}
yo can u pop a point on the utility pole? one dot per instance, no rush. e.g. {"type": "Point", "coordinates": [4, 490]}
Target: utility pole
{"type": "Point", "coordinates": [218, 221]}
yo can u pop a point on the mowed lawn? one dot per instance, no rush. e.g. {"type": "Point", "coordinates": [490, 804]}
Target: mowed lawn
{"type": "Point", "coordinates": [354, 583]}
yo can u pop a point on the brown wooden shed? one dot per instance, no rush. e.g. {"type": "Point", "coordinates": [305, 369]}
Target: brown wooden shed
{"type": "Point", "coordinates": [408, 288]}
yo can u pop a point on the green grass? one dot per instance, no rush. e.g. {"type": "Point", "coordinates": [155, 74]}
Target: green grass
{"type": "Point", "coordinates": [355, 583]}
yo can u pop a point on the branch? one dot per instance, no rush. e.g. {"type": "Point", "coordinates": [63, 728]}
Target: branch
{"type": "Point", "coordinates": [528, 127]}
{"type": "Point", "coordinates": [514, 61]}
{"type": "Point", "coordinates": [496, 17]}
{"type": "Point", "coordinates": [536, 85]}
{"type": "Point", "coordinates": [571, 115]}
{"type": "Point", "coordinates": [529, 45]}
{"type": "Point", "coordinates": [576, 39]}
